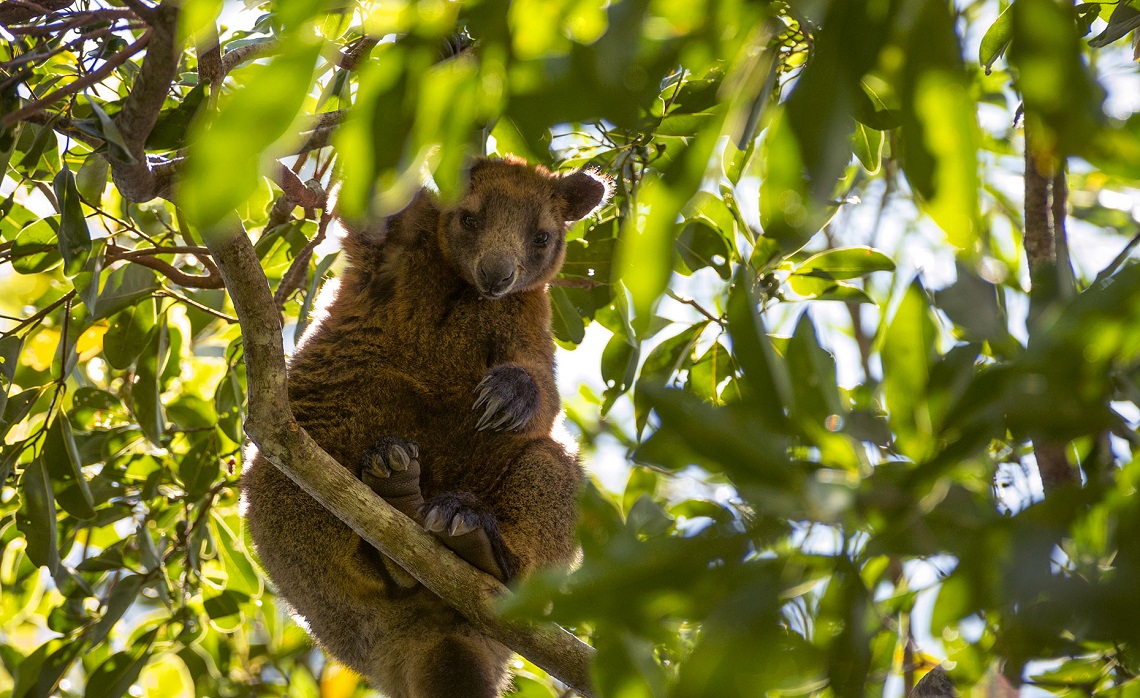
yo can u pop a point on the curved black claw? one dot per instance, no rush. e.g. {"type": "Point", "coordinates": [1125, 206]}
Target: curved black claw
{"type": "Point", "coordinates": [508, 397]}
{"type": "Point", "coordinates": [463, 524]}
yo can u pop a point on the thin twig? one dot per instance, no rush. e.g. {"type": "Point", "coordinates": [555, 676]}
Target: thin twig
{"type": "Point", "coordinates": [90, 35]}
{"type": "Point", "coordinates": [40, 315]}
{"type": "Point", "coordinates": [167, 293]}
{"type": "Point", "coordinates": [567, 282]}
{"type": "Point", "coordinates": [694, 304]}
{"type": "Point", "coordinates": [78, 85]}
{"type": "Point", "coordinates": [299, 269]}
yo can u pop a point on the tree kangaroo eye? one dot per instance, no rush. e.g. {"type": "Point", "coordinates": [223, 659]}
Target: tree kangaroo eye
{"type": "Point", "coordinates": [468, 220]}
{"type": "Point", "coordinates": [541, 238]}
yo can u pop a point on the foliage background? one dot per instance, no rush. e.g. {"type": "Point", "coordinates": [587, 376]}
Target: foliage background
{"type": "Point", "coordinates": [811, 373]}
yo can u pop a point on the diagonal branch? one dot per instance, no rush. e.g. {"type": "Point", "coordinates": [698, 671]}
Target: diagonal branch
{"type": "Point", "coordinates": [271, 426]}
{"type": "Point", "coordinates": [136, 180]}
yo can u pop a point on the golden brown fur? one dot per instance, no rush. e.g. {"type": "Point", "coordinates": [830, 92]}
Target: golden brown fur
{"type": "Point", "coordinates": [441, 310]}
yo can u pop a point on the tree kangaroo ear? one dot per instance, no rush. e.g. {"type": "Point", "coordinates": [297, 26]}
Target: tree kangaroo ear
{"type": "Point", "coordinates": [583, 191]}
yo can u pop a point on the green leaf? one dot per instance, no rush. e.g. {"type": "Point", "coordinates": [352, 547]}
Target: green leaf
{"type": "Point", "coordinates": [814, 380]}
{"type": "Point", "coordinates": [118, 672]}
{"type": "Point", "coordinates": [124, 287]}
{"type": "Point", "coordinates": [91, 179]}
{"type": "Point", "coordinates": [845, 263]}
{"type": "Point", "coordinates": [868, 146]}
{"type": "Point", "coordinates": [127, 334]}
{"type": "Point", "coordinates": [222, 166]}
{"type": "Point", "coordinates": [199, 468]}
{"type": "Point", "coordinates": [35, 248]}
{"type": "Point", "coordinates": [974, 304]}
{"type": "Point", "coordinates": [1123, 20]}
{"type": "Point", "coordinates": [9, 356]}
{"type": "Point", "coordinates": [940, 139]}
{"type": "Point", "coordinates": [996, 39]}
{"type": "Point", "coordinates": [619, 366]}
{"type": "Point", "coordinates": [36, 518]}
{"type": "Point", "coordinates": [61, 458]}
{"type": "Point", "coordinates": [766, 376]}
{"type": "Point", "coordinates": [908, 355]}
{"type": "Point", "coordinates": [566, 323]}
{"type": "Point", "coordinates": [645, 248]}
{"type": "Point", "coordinates": [708, 372]}
{"type": "Point", "coordinates": [227, 603]}
{"type": "Point", "coordinates": [123, 594]}
{"type": "Point", "coordinates": [145, 402]}
{"type": "Point", "coordinates": [812, 287]}
{"type": "Point", "coordinates": [74, 237]}
{"type": "Point", "coordinates": [664, 361]}
{"type": "Point", "coordinates": [173, 125]}
{"type": "Point", "coordinates": [38, 676]}
{"type": "Point", "coordinates": [1062, 99]}
{"type": "Point", "coordinates": [110, 133]}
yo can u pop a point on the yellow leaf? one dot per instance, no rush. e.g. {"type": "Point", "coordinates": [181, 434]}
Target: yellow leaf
{"type": "Point", "coordinates": [338, 681]}
{"type": "Point", "coordinates": [91, 341]}
{"type": "Point", "coordinates": [39, 352]}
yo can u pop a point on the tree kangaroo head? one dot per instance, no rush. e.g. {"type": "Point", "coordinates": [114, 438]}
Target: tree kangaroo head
{"type": "Point", "coordinates": [508, 232]}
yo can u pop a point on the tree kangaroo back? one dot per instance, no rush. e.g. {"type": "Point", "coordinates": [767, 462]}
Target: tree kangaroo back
{"type": "Point", "coordinates": [430, 375]}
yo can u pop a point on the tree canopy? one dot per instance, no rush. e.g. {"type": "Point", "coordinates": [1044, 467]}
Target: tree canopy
{"type": "Point", "coordinates": [855, 346]}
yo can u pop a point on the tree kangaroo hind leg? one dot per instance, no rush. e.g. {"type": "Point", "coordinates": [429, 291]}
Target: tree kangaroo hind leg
{"type": "Point", "coordinates": [459, 663]}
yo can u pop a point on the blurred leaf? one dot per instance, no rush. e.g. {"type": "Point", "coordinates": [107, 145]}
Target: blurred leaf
{"type": "Point", "coordinates": [766, 376]}
{"type": "Point", "coordinates": [908, 353]}
{"type": "Point", "coordinates": [1062, 99]}
{"type": "Point", "coordinates": [813, 374]}
{"type": "Point", "coordinates": [940, 129]}
{"type": "Point", "coordinates": [122, 595]}
{"type": "Point", "coordinates": [221, 169]}
{"type": "Point", "coordinates": [115, 675]}
{"type": "Point", "coordinates": [645, 250]}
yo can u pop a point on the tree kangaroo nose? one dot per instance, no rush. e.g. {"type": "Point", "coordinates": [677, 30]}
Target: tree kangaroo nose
{"type": "Point", "coordinates": [496, 275]}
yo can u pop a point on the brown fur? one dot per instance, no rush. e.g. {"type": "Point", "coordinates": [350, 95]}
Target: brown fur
{"type": "Point", "coordinates": [419, 320]}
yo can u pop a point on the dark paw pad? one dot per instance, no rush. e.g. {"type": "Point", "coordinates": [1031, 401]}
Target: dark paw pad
{"type": "Point", "coordinates": [390, 455]}
{"type": "Point", "coordinates": [463, 524]}
{"type": "Point", "coordinates": [391, 467]}
{"type": "Point", "coordinates": [508, 397]}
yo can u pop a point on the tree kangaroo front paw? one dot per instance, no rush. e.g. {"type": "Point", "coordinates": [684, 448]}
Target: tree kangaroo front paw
{"type": "Point", "coordinates": [509, 398]}
{"type": "Point", "coordinates": [391, 467]}
{"type": "Point", "coordinates": [463, 524]}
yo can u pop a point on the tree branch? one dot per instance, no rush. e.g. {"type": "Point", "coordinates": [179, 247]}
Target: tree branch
{"type": "Point", "coordinates": [76, 86]}
{"type": "Point", "coordinates": [282, 441]}
{"type": "Point", "coordinates": [137, 181]}
{"type": "Point", "coordinates": [17, 11]}
{"type": "Point", "coordinates": [146, 257]}
{"type": "Point", "coordinates": [1041, 253]}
